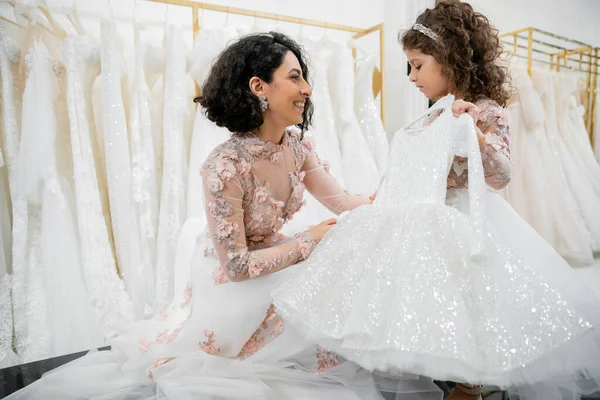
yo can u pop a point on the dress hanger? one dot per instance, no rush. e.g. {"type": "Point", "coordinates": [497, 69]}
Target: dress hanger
{"type": "Point", "coordinates": [443, 103]}
{"type": "Point", "coordinates": [73, 17]}
{"type": "Point", "coordinates": [12, 22]}
{"type": "Point", "coordinates": [58, 30]}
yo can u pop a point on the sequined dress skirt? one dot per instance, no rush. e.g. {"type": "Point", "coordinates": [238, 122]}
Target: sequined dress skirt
{"type": "Point", "coordinates": [396, 289]}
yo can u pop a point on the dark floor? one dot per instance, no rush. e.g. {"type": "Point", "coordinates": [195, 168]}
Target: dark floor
{"type": "Point", "coordinates": [19, 376]}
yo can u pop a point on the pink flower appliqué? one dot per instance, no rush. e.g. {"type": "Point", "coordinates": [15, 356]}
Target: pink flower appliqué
{"type": "Point", "coordinates": [229, 154]}
{"type": "Point", "coordinates": [261, 194]}
{"type": "Point", "coordinates": [225, 229]}
{"type": "Point", "coordinates": [143, 345]}
{"type": "Point", "coordinates": [276, 157]}
{"type": "Point", "coordinates": [187, 294]}
{"type": "Point", "coordinates": [214, 183]}
{"type": "Point", "coordinates": [164, 337]}
{"type": "Point", "coordinates": [277, 327]}
{"type": "Point", "coordinates": [208, 346]}
{"type": "Point", "coordinates": [309, 144]}
{"type": "Point", "coordinates": [253, 345]}
{"type": "Point", "coordinates": [255, 149]}
{"type": "Point", "coordinates": [278, 205]}
{"type": "Point", "coordinates": [225, 169]}
{"type": "Point", "coordinates": [210, 253]}
{"type": "Point", "coordinates": [162, 361]}
{"type": "Point", "coordinates": [277, 225]}
{"type": "Point", "coordinates": [219, 277]}
{"type": "Point", "coordinates": [245, 167]}
{"type": "Point", "coordinates": [326, 360]}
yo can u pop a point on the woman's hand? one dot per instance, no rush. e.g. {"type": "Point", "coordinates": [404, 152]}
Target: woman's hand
{"type": "Point", "coordinates": [461, 106]}
{"type": "Point", "coordinates": [373, 197]}
{"type": "Point", "coordinates": [320, 230]}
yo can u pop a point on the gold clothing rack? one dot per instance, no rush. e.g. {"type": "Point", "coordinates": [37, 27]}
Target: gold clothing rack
{"type": "Point", "coordinates": [568, 54]}
{"type": "Point", "coordinates": [378, 73]}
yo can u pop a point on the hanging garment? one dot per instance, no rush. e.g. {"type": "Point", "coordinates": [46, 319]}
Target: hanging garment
{"type": "Point", "coordinates": [107, 292]}
{"type": "Point", "coordinates": [368, 116]}
{"type": "Point", "coordinates": [137, 275]}
{"type": "Point", "coordinates": [145, 170]}
{"type": "Point", "coordinates": [360, 170]}
{"type": "Point", "coordinates": [573, 240]}
{"type": "Point", "coordinates": [175, 167]}
{"type": "Point", "coordinates": [13, 83]}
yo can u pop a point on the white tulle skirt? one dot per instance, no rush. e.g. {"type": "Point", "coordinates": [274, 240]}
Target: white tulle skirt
{"type": "Point", "coordinates": [190, 351]}
{"type": "Point", "coordinates": [398, 289]}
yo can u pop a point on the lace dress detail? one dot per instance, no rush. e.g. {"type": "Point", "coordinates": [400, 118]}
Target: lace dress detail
{"type": "Point", "coordinates": [245, 210]}
{"type": "Point", "coordinates": [495, 154]}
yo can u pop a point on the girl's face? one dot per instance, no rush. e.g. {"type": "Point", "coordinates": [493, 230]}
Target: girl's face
{"type": "Point", "coordinates": [426, 74]}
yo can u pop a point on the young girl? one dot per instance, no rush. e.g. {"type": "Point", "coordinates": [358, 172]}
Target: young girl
{"type": "Point", "coordinates": [443, 280]}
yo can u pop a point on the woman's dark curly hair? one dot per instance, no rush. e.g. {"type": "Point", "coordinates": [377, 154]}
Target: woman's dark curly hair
{"type": "Point", "coordinates": [469, 50]}
{"type": "Point", "coordinates": [226, 96]}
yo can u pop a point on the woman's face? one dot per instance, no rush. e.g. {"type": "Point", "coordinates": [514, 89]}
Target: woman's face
{"type": "Point", "coordinates": [426, 74]}
{"type": "Point", "coordinates": [287, 92]}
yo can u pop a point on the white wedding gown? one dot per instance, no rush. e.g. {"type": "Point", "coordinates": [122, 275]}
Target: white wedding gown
{"type": "Point", "coordinates": [367, 114]}
{"type": "Point", "coordinates": [531, 175]}
{"type": "Point", "coordinates": [47, 180]}
{"type": "Point", "coordinates": [112, 305]}
{"type": "Point", "coordinates": [577, 141]}
{"type": "Point", "coordinates": [145, 170]}
{"type": "Point", "coordinates": [424, 284]}
{"type": "Point", "coordinates": [571, 237]}
{"type": "Point", "coordinates": [175, 165]}
{"type": "Point", "coordinates": [360, 171]}
{"type": "Point", "coordinates": [585, 188]}
{"type": "Point", "coordinates": [12, 91]}
{"type": "Point", "coordinates": [137, 275]}
{"type": "Point", "coordinates": [7, 356]}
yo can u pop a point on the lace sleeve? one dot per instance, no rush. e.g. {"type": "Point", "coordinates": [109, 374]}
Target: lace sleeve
{"type": "Point", "coordinates": [324, 187]}
{"type": "Point", "coordinates": [223, 189]}
{"type": "Point", "coordinates": [495, 150]}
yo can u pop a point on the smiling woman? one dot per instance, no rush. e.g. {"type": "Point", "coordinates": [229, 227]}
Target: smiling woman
{"type": "Point", "coordinates": [259, 84]}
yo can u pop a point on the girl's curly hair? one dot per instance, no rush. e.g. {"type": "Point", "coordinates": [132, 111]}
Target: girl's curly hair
{"type": "Point", "coordinates": [226, 96]}
{"type": "Point", "coordinates": [468, 50]}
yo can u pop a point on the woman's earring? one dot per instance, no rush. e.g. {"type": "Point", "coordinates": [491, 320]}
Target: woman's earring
{"type": "Point", "coordinates": [264, 104]}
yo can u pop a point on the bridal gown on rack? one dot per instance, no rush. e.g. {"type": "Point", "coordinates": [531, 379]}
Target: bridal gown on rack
{"type": "Point", "coordinates": [143, 128]}
{"type": "Point", "coordinates": [174, 172]}
{"type": "Point", "coordinates": [112, 305]}
{"type": "Point", "coordinates": [12, 90]}
{"type": "Point", "coordinates": [47, 170]}
{"type": "Point", "coordinates": [366, 112]}
{"type": "Point", "coordinates": [530, 178]}
{"type": "Point", "coordinates": [438, 283]}
{"type": "Point", "coordinates": [360, 171]}
{"type": "Point", "coordinates": [137, 276]}
{"type": "Point", "coordinates": [7, 356]}
{"type": "Point", "coordinates": [576, 138]}
{"type": "Point", "coordinates": [572, 238]}
{"type": "Point", "coordinates": [581, 183]}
